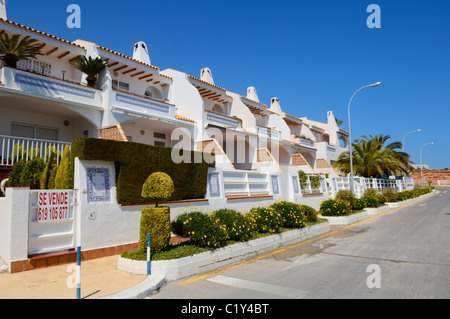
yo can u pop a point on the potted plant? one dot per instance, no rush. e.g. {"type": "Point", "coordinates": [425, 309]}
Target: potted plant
{"type": "Point", "coordinates": [89, 66]}
{"type": "Point", "coordinates": [13, 48]}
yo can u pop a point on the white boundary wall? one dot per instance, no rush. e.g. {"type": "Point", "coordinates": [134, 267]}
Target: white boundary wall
{"type": "Point", "coordinates": [104, 223]}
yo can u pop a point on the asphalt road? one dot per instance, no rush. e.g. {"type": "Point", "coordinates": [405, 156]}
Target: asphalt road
{"type": "Point", "coordinates": [400, 255]}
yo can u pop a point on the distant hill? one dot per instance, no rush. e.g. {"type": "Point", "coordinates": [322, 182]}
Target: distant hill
{"type": "Point", "coordinates": [433, 175]}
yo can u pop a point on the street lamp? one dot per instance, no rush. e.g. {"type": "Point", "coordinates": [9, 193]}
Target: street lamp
{"type": "Point", "coordinates": [421, 167]}
{"type": "Point", "coordinates": [403, 143]}
{"type": "Point", "coordinates": [350, 132]}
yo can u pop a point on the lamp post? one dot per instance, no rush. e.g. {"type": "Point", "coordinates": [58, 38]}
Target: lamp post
{"type": "Point", "coordinates": [350, 133]}
{"type": "Point", "coordinates": [421, 166]}
{"type": "Point", "coordinates": [403, 143]}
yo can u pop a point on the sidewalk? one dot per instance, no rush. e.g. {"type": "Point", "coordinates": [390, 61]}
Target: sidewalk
{"type": "Point", "coordinates": [99, 278]}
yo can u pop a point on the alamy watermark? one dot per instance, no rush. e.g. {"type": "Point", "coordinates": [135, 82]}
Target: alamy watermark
{"type": "Point", "coordinates": [374, 19]}
{"type": "Point", "coordinates": [74, 19]}
{"type": "Point", "coordinates": [374, 279]}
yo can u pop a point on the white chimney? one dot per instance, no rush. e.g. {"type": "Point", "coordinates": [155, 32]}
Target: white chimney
{"type": "Point", "coordinates": [140, 52]}
{"type": "Point", "coordinates": [275, 106]}
{"type": "Point", "coordinates": [251, 94]}
{"type": "Point", "coordinates": [206, 75]}
{"type": "Point", "coordinates": [3, 9]}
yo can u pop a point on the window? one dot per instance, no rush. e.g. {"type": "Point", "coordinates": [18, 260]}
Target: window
{"type": "Point", "coordinates": [159, 135]}
{"type": "Point", "coordinates": [34, 131]}
{"type": "Point", "coordinates": [120, 85]}
{"type": "Point", "coordinates": [158, 143]}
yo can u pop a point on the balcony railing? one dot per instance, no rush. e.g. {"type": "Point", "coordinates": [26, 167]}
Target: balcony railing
{"type": "Point", "coordinates": [222, 120]}
{"type": "Point", "coordinates": [13, 149]}
{"type": "Point", "coordinates": [142, 105]}
{"type": "Point", "coordinates": [42, 85]}
{"type": "Point", "coordinates": [268, 133]}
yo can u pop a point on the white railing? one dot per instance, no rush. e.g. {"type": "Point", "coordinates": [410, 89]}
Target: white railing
{"type": "Point", "coordinates": [133, 103]}
{"type": "Point", "coordinates": [361, 184]}
{"type": "Point", "coordinates": [245, 183]}
{"type": "Point", "coordinates": [13, 149]}
{"type": "Point", "coordinates": [46, 86]}
{"type": "Point", "coordinates": [268, 133]}
{"type": "Point", "coordinates": [309, 187]}
{"type": "Point", "coordinates": [221, 120]}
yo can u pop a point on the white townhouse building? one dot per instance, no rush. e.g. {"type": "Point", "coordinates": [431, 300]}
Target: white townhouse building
{"type": "Point", "coordinates": [45, 101]}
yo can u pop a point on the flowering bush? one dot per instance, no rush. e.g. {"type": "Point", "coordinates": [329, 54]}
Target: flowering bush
{"type": "Point", "coordinates": [370, 202]}
{"type": "Point", "coordinates": [346, 196]}
{"type": "Point", "coordinates": [334, 207]}
{"type": "Point", "coordinates": [291, 213]}
{"type": "Point", "coordinates": [358, 204]}
{"type": "Point", "coordinates": [237, 226]}
{"type": "Point", "coordinates": [201, 229]}
{"type": "Point", "coordinates": [390, 194]}
{"type": "Point", "coordinates": [266, 219]}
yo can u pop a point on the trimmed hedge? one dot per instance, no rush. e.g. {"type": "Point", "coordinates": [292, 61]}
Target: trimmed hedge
{"type": "Point", "coordinates": [134, 162]}
{"type": "Point", "coordinates": [156, 222]}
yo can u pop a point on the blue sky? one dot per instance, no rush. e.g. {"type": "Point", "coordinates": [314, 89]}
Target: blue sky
{"type": "Point", "coordinates": [312, 55]}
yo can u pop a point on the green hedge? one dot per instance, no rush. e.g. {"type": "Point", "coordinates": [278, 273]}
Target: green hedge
{"type": "Point", "coordinates": [156, 222]}
{"type": "Point", "coordinates": [134, 162]}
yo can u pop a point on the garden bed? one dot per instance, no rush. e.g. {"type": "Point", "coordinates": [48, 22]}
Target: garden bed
{"type": "Point", "coordinates": [208, 260]}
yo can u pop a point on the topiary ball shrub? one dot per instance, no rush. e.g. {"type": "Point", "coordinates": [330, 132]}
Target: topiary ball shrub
{"type": "Point", "coordinates": [158, 187]}
{"type": "Point", "coordinates": [291, 213]}
{"type": "Point", "coordinates": [156, 222]}
{"type": "Point", "coordinates": [266, 219]}
{"type": "Point", "coordinates": [237, 226]}
{"type": "Point", "coordinates": [333, 207]}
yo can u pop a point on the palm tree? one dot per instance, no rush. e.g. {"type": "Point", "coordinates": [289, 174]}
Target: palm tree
{"type": "Point", "coordinates": [13, 49]}
{"type": "Point", "coordinates": [371, 158]}
{"type": "Point", "coordinates": [89, 66]}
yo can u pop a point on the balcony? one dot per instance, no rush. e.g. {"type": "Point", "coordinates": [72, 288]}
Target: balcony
{"type": "Point", "coordinates": [268, 133]}
{"type": "Point", "coordinates": [221, 120]}
{"type": "Point", "coordinates": [49, 87]}
{"type": "Point", "coordinates": [141, 105]}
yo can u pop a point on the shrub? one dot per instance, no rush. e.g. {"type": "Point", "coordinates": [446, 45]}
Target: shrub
{"type": "Point", "coordinates": [358, 204]}
{"type": "Point", "coordinates": [373, 192]}
{"type": "Point", "coordinates": [49, 166]}
{"type": "Point", "coordinates": [64, 175]}
{"type": "Point", "coordinates": [309, 213]}
{"type": "Point", "coordinates": [334, 207]}
{"type": "Point", "coordinates": [346, 196]}
{"type": "Point", "coordinates": [158, 187]}
{"type": "Point", "coordinates": [291, 213]}
{"type": "Point", "coordinates": [381, 199]}
{"type": "Point", "coordinates": [370, 201]}
{"type": "Point", "coordinates": [16, 172]}
{"type": "Point", "coordinates": [390, 194]}
{"type": "Point", "coordinates": [201, 229]}
{"type": "Point", "coordinates": [156, 222]}
{"type": "Point", "coordinates": [134, 162]}
{"type": "Point", "coordinates": [31, 173]}
{"type": "Point", "coordinates": [237, 226]}
{"type": "Point", "coordinates": [266, 219]}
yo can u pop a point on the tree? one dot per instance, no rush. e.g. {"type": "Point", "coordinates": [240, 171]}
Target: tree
{"type": "Point", "coordinates": [372, 158]}
{"type": "Point", "coordinates": [89, 66]}
{"type": "Point", "coordinates": [13, 49]}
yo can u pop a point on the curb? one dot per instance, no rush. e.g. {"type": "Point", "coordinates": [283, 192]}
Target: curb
{"type": "Point", "coordinates": [193, 265]}
{"type": "Point", "coordinates": [142, 290]}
